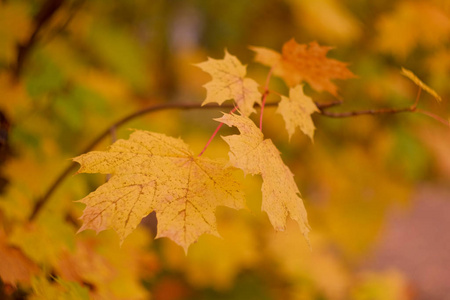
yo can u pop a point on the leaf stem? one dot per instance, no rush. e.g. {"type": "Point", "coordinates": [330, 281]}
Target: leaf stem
{"type": "Point", "coordinates": [417, 98]}
{"type": "Point", "coordinates": [214, 134]}
{"type": "Point", "coordinates": [264, 97]}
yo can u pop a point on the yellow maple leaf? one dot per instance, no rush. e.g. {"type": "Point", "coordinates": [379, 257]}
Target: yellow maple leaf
{"type": "Point", "coordinates": [301, 62]}
{"type": "Point", "coordinates": [419, 83]}
{"type": "Point", "coordinates": [253, 154]}
{"type": "Point", "coordinates": [229, 82]}
{"type": "Point", "coordinates": [154, 172]}
{"type": "Point", "coordinates": [296, 111]}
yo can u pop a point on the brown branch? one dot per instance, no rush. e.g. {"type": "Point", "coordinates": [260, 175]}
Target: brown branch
{"type": "Point", "coordinates": [382, 111]}
{"type": "Point", "coordinates": [73, 10]}
{"type": "Point", "coordinates": [183, 106]}
{"type": "Point", "coordinates": [46, 12]}
{"type": "Point", "coordinates": [322, 106]}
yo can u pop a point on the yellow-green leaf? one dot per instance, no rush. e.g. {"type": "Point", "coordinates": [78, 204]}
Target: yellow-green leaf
{"type": "Point", "coordinates": [419, 83]}
{"type": "Point", "coordinates": [253, 154]}
{"type": "Point", "coordinates": [296, 111]}
{"type": "Point", "coordinates": [229, 82]}
{"type": "Point", "coordinates": [153, 172]}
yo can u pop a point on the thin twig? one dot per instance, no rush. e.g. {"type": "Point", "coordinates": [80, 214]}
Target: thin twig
{"type": "Point", "coordinates": [73, 10]}
{"type": "Point", "coordinates": [322, 106]}
{"type": "Point", "coordinates": [366, 112]}
{"type": "Point", "coordinates": [45, 14]}
{"type": "Point", "coordinates": [264, 97]}
{"type": "Point", "coordinates": [214, 134]}
{"type": "Point", "coordinates": [434, 116]}
{"type": "Point", "coordinates": [412, 108]}
{"type": "Point", "coordinates": [417, 98]}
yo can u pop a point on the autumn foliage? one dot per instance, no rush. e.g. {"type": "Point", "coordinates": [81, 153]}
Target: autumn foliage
{"type": "Point", "coordinates": [219, 179]}
{"type": "Point", "coordinates": [304, 63]}
{"type": "Point", "coordinates": [156, 173]}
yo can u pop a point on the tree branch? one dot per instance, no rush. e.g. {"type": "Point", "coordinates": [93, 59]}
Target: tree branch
{"type": "Point", "coordinates": [46, 12]}
{"type": "Point", "coordinates": [381, 111]}
{"type": "Point", "coordinates": [190, 106]}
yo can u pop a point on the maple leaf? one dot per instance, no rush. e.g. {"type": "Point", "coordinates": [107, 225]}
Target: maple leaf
{"type": "Point", "coordinates": [296, 111]}
{"type": "Point", "coordinates": [419, 83]}
{"type": "Point", "coordinates": [229, 82]}
{"type": "Point", "coordinates": [154, 172]}
{"type": "Point", "coordinates": [253, 154]}
{"type": "Point", "coordinates": [301, 62]}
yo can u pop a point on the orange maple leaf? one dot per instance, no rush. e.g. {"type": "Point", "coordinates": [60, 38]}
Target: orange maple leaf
{"type": "Point", "coordinates": [154, 172]}
{"type": "Point", "coordinates": [301, 62]}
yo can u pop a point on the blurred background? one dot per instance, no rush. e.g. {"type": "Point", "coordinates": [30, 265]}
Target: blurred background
{"type": "Point", "coordinates": [376, 188]}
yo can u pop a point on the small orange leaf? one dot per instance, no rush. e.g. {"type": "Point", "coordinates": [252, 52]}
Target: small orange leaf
{"type": "Point", "coordinates": [301, 62]}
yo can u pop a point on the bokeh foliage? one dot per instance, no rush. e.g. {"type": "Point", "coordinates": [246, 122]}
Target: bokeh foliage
{"type": "Point", "coordinates": [92, 62]}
